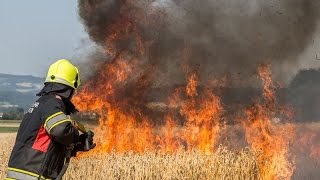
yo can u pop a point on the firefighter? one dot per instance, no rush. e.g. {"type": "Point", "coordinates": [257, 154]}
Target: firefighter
{"type": "Point", "coordinates": [47, 132]}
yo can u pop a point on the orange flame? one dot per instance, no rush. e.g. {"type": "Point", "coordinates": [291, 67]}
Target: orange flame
{"type": "Point", "coordinates": [265, 135]}
{"type": "Point", "coordinates": [122, 131]}
{"type": "Point", "coordinates": [202, 115]}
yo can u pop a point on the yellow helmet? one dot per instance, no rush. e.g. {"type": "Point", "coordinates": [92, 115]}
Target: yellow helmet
{"type": "Point", "coordinates": [64, 72]}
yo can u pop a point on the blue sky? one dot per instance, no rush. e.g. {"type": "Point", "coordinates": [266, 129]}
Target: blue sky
{"type": "Point", "coordinates": [33, 34]}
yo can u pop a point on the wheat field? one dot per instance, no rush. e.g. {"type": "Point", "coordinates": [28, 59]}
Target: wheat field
{"type": "Point", "coordinates": [185, 165]}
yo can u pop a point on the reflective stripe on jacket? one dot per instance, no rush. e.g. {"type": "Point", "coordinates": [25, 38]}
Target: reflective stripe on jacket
{"type": "Point", "coordinates": [14, 173]}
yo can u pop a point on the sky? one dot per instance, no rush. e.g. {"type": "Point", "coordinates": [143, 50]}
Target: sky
{"type": "Point", "coordinates": [34, 34]}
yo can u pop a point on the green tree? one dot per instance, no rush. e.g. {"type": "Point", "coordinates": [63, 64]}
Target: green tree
{"type": "Point", "coordinates": [15, 114]}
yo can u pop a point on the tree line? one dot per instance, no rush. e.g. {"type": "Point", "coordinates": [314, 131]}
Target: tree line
{"type": "Point", "coordinates": [14, 114]}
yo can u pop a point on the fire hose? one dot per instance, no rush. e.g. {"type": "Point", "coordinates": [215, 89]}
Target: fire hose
{"type": "Point", "coordinates": [88, 144]}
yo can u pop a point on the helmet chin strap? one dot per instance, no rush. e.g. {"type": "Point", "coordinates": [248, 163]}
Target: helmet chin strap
{"type": "Point", "coordinates": [71, 94]}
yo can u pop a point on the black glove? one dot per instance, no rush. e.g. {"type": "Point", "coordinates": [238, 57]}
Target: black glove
{"type": "Point", "coordinates": [89, 141]}
{"type": "Point", "coordinates": [85, 143]}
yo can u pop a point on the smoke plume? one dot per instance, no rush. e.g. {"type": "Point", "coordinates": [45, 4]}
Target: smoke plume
{"type": "Point", "coordinates": [219, 37]}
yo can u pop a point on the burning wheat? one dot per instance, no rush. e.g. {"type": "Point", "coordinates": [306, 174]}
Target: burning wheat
{"type": "Point", "coordinates": [193, 165]}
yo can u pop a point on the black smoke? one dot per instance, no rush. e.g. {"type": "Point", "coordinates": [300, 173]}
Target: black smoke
{"type": "Point", "coordinates": [219, 37]}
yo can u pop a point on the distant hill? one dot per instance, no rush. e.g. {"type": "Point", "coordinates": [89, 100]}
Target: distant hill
{"type": "Point", "coordinates": [18, 90]}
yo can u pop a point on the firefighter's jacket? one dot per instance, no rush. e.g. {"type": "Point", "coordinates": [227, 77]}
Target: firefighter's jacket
{"type": "Point", "coordinates": [42, 140]}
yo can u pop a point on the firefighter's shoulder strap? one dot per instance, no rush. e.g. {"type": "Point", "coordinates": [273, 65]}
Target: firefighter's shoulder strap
{"type": "Point", "coordinates": [66, 164]}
